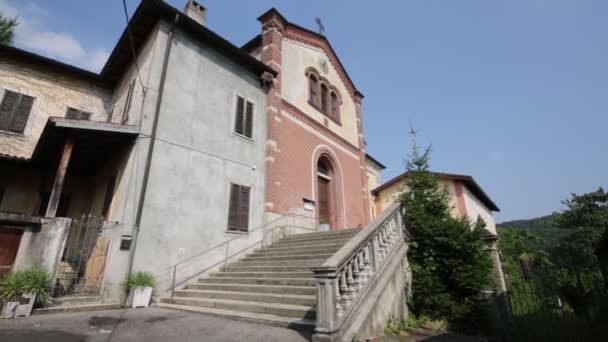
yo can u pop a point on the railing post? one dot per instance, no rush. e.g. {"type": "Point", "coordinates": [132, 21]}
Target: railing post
{"type": "Point", "coordinates": [227, 253]}
{"type": "Point", "coordinates": [173, 282]}
{"type": "Point", "coordinates": [326, 300]}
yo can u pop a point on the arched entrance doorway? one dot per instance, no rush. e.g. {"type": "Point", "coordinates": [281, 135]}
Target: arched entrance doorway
{"type": "Point", "coordinates": [325, 197]}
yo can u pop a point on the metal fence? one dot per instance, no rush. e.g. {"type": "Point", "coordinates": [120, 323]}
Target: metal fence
{"type": "Point", "coordinates": [82, 265]}
{"type": "Point", "coordinates": [556, 304]}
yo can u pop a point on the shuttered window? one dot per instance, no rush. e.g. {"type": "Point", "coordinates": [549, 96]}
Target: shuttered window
{"type": "Point", "coordinates": [14, 111]}
{"type": "Point", "coordinates": [244, 117]}
{"type": "Point", "coordinates": [238, 212]}
{"type": "Point", "coordinates": [77, 114]}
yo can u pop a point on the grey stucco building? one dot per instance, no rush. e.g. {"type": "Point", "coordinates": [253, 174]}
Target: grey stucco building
{"type": "Point", "coordinates": [158, 145]}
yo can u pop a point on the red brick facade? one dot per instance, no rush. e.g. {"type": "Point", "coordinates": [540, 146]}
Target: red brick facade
{"type": "Point", "coordinates": [296, 142]}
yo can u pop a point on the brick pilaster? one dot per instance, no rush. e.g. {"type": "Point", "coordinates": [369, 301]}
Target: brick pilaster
{"type": "Point", "coordinates": [273, 27]}
{"type": "Point", "coordinates": [363, 160]}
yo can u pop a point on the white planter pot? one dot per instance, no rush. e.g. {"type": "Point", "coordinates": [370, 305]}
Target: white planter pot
{"type": "Point", "coordinates": [23, 307]}
{"type": "Point", "coordinates": [26, 304]}
{"type": "Point", "coordinates": [324, 227]}
{"type": "Point", "coordinates": [139, 297]}
{"type": "Point", "coordinates": [9, 310]}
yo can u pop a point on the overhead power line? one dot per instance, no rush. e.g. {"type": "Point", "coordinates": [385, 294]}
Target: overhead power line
{"type": "Point", "coordinates": [124, 5]}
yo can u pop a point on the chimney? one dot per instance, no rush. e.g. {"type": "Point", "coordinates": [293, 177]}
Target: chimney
{"type": "Point", "coordinates": [196, 11]}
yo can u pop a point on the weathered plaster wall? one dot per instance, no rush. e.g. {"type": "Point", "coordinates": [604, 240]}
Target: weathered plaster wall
{"type": "Point", "coordinates": [374, 180]}
{"type": "Point", "coordinates": [389, 195]}
{"type": "Point", "coordinates": [196, 157]}
{"type": "Point", "coordinates": [477, 209]}
{"type": "Point", "coordinates": [117, 262]}
{"type": "Point", "coordinates": [42, 246]}
{"type": "Point", "coordinates": [54, 92]}
{"type": "Point", "coordinates": [296, 58]}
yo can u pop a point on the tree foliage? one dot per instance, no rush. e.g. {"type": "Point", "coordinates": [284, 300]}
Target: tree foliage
{"type": "Point", "coordinates": [450, 266]}
{"type": "Point", "coordinates": [7, 29]}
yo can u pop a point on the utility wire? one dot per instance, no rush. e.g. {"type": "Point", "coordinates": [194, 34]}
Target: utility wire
{"type": "Point", "coordinates": [124, 5]}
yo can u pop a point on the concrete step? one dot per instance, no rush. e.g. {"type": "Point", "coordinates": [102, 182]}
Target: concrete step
{"type": "Point", "coordinates": [248, 268]}
{"type": "Point", "coordinates": [328, 243]}
{"type": "Point", "coordinates": [77, 308]}
{"type": "Point", "coordinates": [74, 300]}
{"type": "Point", "coordinates": [315, 239]}
{"type": "Point", "coordinates": [272, 320]}
{"type": "Point", "coordinates": [309, 263]}
{"type": "Point", "coordinates": [311, 249]}
{"type": "Point", "coordinates": [278, 289]}
{"type": "Point", "coordinates": [309, 300]}
{"type": "Point", "coordinates": [330, 233]}
{"type": "Point", "coordinates": [285, 310]}
{"type": "Point", "coordinates": [257, 275]}
{"type": "Point", "coordinates": [264, 281]}
{"type": "Point", "coordinates": [291, 253]}
{"type": "Point", "coordinates": [285, 258]}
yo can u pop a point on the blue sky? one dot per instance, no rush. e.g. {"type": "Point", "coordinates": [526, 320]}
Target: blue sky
{"type": "Point", "coordinates": [514, 93]}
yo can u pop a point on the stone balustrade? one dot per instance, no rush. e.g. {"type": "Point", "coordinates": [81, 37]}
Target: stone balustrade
{"type": "Point", "coordinates": [344, 278]}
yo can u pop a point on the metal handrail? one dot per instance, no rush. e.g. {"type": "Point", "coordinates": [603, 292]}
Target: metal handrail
{"type": "Point", "coordinates": [227, 244]}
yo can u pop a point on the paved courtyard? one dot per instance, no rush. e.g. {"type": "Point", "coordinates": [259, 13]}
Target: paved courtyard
{"type": "Point", "coordinates": [133, 325]}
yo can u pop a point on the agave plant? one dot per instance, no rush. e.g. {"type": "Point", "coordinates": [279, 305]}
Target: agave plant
{"type": "Point", "coordinates": [13, 285]}
{"type": "Point", "coordinates": [38, 282]}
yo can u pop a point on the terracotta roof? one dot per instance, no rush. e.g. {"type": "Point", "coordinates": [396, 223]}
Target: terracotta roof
{"type": "Point", "coordinates": [467, 180]}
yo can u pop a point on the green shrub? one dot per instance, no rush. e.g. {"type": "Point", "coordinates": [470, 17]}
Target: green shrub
{"type": "Point", "coordinates": [39, 282]}
{"type": "Point", "coordinates": [394, 327]}
{"type": "Point", "coordinates": [139, 279]}
{"type": "Point", "coordinates": [12, 286]}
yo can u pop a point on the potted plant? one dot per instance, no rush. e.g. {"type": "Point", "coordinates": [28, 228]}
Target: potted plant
{"type": "Point", "coordinates": [139, 286]}
{"type": "Point", "coordinates": [12, 288]}
{"type": "Point", "coordinates": [323, 223]}
{"type": "Point", "coordinates": [38, 283]}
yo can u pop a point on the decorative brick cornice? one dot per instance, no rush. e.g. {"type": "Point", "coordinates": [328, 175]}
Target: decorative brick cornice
{"type": "Point", "coordinates": [300, 35]}
{"type": "Point", "coordinates": [317, 125]}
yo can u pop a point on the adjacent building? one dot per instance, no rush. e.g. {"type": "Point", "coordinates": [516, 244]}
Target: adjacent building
{"type": "Point", "coordinates": [467, 200]}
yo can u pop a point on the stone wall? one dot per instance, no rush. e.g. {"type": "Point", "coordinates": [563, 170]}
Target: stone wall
{"type": "Point", "coordinates": [53, 93]}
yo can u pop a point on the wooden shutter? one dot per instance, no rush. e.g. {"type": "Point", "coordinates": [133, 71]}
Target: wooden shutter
{"type": "Point", "coordinates": [15, 111]}
{"type": "Point", "coordinates": [240, 120]}
{"type": "Point", "coordinates": [249, 120]}
{"type": "Point", "coordinates": [9, 102]}
{"type": "Point", "coordinates": [238, 212]}
{"type": "Point", "coordinates": [244, 209]}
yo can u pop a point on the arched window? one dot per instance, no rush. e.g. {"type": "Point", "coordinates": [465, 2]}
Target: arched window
{"type": "Point", "coordinates": [312, 89]}
{"type": "Point", "coordinates": [324, 92]}
{"type": "Point", "coordinates": [335, 105]}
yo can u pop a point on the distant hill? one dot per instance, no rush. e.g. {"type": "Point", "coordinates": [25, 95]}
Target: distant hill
{"type": "Point", "coordinates": [543, 226]}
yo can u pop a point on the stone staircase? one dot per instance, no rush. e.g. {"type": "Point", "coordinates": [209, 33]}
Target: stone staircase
{"type": "Point", "coordinates": [273, 285]}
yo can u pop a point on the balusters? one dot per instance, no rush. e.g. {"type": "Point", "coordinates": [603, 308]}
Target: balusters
{"type": "Point", "coordinates": [356, 274]}
{"type": "Point", "coordinates": [344, 290]}
{"type": "Point", "coordinates": [364, 263]}
{"type": "Point", "coordinates": [339, 308]}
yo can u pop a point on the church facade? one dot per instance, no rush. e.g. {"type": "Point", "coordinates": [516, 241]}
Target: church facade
{"type": "Point", "coordinates": [315, 150]}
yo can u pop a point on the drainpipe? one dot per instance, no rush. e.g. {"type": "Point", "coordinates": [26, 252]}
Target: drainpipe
{"type": "Point", "coordinates": [144, 186]}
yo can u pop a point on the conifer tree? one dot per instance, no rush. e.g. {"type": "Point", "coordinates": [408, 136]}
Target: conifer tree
{"type": "Point", "coordinates": [7, 29]}
{"type": "Point", "coordinates": [450, 266]}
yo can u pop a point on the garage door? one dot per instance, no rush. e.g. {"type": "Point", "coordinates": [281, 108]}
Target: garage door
{"type": "Point", "coordinates": [9, 245]}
